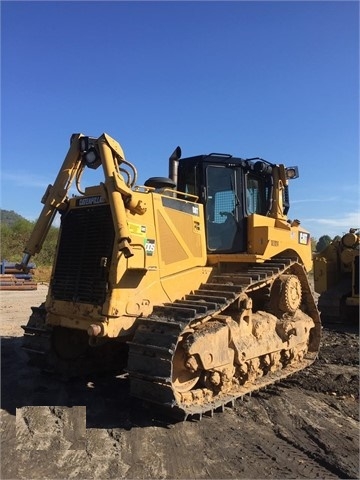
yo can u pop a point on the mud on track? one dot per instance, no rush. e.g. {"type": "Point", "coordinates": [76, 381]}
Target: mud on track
{"type": "Point", "coordinates": [304, 427]}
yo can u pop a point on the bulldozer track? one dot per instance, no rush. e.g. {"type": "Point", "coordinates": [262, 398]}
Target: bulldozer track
{"type": "Point", "coordinates": [37, 338]}
{"type": "Point", "coordinates": [151, 353]}
{"type": "Point", "coordinates": [38, 343]}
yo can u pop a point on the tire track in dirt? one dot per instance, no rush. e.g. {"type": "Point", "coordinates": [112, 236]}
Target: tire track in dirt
{"type": "Point", "coordinates": [305, 421]}
{"type": "Point", "coordinates": [269, 451]}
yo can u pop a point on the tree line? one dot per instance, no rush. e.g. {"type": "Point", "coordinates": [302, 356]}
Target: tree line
{"type": "Point", "coordinates": [16, 231]}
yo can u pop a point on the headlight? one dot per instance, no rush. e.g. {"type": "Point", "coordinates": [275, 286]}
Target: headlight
{"type": "Point", "coordinates": [92, 158]}
{"type": "Point", "coordinates": [292, 172]}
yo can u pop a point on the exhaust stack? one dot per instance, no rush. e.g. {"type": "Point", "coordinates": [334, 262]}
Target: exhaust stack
{"type": "Point", "coordinates": [174, 164]}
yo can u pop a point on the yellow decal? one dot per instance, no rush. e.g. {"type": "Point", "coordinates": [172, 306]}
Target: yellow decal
{"type": "Point", "coordinates": [136, 229]}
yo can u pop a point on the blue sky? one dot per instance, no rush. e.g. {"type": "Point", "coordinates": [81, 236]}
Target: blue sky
{"type": "Point", "coordinates": [279, 80]}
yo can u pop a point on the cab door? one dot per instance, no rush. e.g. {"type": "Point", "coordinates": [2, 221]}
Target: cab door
{"type": "Point", "coordinates": [224, 210]}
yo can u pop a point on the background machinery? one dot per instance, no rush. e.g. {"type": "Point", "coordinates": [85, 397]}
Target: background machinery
{"type": "Point", "coordinates": [195, 283]}
{"type": "Point", "coordinates": [336, 278]}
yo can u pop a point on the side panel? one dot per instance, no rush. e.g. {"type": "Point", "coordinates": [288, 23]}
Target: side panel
{"type": "Point", "coordinates": [269, 237]}
{"type": "Point", "coordinates": [180, 234]}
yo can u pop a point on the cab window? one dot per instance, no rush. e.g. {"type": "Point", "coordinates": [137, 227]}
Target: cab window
{"type": "Point", "coordinates": [256, 201]}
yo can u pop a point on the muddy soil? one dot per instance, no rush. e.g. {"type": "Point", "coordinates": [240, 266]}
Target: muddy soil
{"type": "Point", "coordinates": [304, 427]}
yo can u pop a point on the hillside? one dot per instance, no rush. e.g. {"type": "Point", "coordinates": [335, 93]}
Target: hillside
{"type": "Point", "coordinates": [9, 217]}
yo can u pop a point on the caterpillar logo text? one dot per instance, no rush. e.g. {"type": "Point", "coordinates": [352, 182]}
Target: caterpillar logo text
{"type": "Point", "coordinates": [84, 202]}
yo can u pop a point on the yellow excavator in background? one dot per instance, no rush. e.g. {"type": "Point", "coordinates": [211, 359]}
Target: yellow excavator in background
{"type": "Point", "coordinates": [195, 283]}
{"type": "Point", "coordinates": [336, 278]}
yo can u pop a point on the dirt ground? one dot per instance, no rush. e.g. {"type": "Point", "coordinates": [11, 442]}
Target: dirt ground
{"type": "Point", "coordinates": [304, 427]}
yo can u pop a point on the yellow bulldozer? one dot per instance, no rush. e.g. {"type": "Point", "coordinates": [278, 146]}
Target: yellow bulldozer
{"type": "Point", "coordinates": [196, 284]}
{"type": "Point", "coordinates": [336, 279]}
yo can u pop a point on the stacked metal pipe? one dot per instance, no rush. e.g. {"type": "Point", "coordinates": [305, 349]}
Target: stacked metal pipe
{"type": "Point", "coordinates": [12, 278]}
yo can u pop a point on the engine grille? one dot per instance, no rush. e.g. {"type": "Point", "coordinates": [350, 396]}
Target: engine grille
{"type": "Point", "coordinates": [84, 255]}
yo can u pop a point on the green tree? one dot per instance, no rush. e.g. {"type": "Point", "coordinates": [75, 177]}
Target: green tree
{"type": "Point", "coordinates": [15, 236]}
{"type": "Point", "coordinates": [313, 244]}
{"type": "Point", "coordinates": [47, 253]}
{"type": "Point", "coordinates": [13, 239]}
{"type": "Point", "coordinates": [323, 242]}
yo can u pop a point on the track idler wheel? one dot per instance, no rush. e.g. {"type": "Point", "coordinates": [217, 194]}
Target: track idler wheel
{"type": "Point", "coordinates": [286, 294]}
{"type": "Point", "coordinates": [185, 368]}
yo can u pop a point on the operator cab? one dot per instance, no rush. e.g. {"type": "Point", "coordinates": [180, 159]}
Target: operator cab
{"type": "Point", "coordinates": [230, 189]}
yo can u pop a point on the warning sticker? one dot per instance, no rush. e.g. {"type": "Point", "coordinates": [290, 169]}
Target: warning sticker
{"type": "Point", "coordinates": [136, 229]}
{"type": "Point", "coordinates": [150, 247]}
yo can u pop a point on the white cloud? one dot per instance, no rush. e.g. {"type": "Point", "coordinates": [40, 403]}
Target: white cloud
{"type": "Point", "coordinates": [332, 226]}
{"type": "Point", "coordinates": [349, 220]}
{"type": "Point", "coordinates": [24, 179]}
{"type": "Point", "coordinates": [344, 193]}
{"type": "Point", "coordinates": [31, 181]}
{"type": "Point", "coordinates": [323, 199]}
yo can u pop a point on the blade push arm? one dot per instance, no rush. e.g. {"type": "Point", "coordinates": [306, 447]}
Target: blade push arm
{"type": "Point", "coordinates": [53, 200]}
